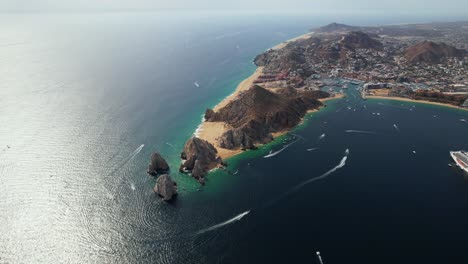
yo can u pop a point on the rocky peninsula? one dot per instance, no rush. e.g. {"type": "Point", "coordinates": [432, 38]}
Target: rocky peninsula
{"type": "Point", "coordinates": [290, 77]}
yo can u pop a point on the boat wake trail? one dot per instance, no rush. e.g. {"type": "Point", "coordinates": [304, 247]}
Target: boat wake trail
{"type": "Point", "coordinates": [111, 190]}
{"type": "Point", "coordinates": [396, 127]}
{"type": "Point", "coordinates": [170, 145]}
{"type": "Point", "coordinates": [230, 221]}
{"type": "Point", "coordinates": [321, 136]}
{"type": "Point", "coordinates": [128, 159]}
{"type": "Point", "coordinates": [312, 149]}
{"type": "Point", "coordinates": [279, 151]}
{"type": "Point", "coordinates": [134, 153]}
{"type": "Point", "coordinates": [302, 184]}
{"type": "Point", "coordinates": [360, 131]}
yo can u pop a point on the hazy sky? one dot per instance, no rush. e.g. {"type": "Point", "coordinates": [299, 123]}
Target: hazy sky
{"type": "Point", "coordinates": [346, 6]}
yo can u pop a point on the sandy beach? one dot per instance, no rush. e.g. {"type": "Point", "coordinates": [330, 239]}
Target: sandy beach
{"type": "Point", "coordinates": [338, 96]}
{"type": "Point", "coordinates": [414, 101]}
{"type": "Point", "coordinates": [210, 131]}
{"type": "Point", "coordinates": [283, 44]}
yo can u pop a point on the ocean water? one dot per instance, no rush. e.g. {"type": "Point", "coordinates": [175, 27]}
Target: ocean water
{"type": "Point", "coordinates": [86, 98]}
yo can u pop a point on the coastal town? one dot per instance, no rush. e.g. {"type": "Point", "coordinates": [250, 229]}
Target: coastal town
{"type": "Point", "coordinates": [423, 62]}
{"type": "Point", "coordinates": [426, 62]}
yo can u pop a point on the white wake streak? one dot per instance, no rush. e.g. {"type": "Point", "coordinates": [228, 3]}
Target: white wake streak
{"type": "Point", "coordinates": [230, 221]}
{"type": "Point", "coordinates": [134, 153]}
{"type": "Point", "coordinates": [312, 149]}
{"type": "Point", "coordinates": [170, 145]}
{"type": "Point", "coordinates": [279, 151]}
{"type": "Point", "coordinates": [359, 131]}
{"type": "Point", "coordinates": [323, 176]}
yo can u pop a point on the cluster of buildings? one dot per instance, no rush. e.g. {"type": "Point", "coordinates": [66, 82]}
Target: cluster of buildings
{"type": "Point", "coordinates": [306, 64]}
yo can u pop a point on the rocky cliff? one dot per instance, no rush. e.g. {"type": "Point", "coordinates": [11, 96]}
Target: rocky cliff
{"type": "Point", "coordinates": [198, 157]}
{"type": "Point", "coordinates": [165, 187]}
{"type": "Point", "coordinates": [258, 112]}
{"type": "Point", "coordinates": [157, 164]}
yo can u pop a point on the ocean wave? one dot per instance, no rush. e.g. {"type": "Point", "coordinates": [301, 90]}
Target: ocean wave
{"type": "Point", "coordinates": [199, 127]}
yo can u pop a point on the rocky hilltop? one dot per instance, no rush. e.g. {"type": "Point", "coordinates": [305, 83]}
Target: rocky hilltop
{"type": "Point", "coordinates": [198, 157]}
{"type": "Point", "coordinates": [431, 52]}
{"type": "Point", "coordinates": [303, 56]}
{"type": "Point", "coordinates": [335, 27]}
{"type": "Point", "coordinates": [259, 112]}
{"type": "Point", "coordinates": [360, 40]}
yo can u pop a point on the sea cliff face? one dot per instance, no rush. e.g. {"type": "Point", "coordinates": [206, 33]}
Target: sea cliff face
{"type": "Point", "coordinates": [258, 112]}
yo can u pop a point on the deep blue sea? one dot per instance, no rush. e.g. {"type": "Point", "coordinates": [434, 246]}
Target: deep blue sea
{"type": "Point", "coordinates": [86, 98]}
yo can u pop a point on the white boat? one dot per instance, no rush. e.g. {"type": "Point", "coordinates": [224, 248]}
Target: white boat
{"type": "Point", "coordinates": [461, 159]}
{"type": "Point", "coordinates": [196, 84]}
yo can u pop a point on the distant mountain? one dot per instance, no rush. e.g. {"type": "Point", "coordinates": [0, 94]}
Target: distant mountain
{"type": "Point", "coordinates": [390, 30]}
{"type": "Point", "coordinates": [431, 52]}
{"type": "Point", "coordinates": [334, 27]}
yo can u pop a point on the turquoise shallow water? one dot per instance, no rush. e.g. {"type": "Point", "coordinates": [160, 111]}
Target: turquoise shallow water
{"type": "Point", "coordinates": [86, 98]}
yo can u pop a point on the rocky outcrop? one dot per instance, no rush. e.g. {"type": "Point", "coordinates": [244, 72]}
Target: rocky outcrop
{"type": "Point", "coordinates": [199, 156]}
{"type": "Point", "coordinates": [431, 52]}
{"type": "Point", "coordinates": [157, 165]}
{"type": "Point", "coordinates": [165, 187]}
{"type": "Point", "coordinates": [258, 112]}
{"type": "Point", "coordinates": [209, 113]}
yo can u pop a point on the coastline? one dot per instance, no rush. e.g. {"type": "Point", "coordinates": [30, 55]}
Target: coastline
{"type": "Point", "coordinates": [284, 43]}
{"type": "Point", "coordinates": [415, 101]}
{"type": "Point", "coordinates": [209, 131]}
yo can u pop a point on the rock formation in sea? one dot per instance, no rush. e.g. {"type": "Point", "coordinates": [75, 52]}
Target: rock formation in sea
{"type": "Point", "coordinates": [258, 112]}
{"type": "Point", "coordinates": [431, 52]}
{"type": "Point", "coordinates": [165, 187]}
{"type": "Point", "coordinates": [198, 157]}
{"type": "Point", "coordinates": [157, 165]}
